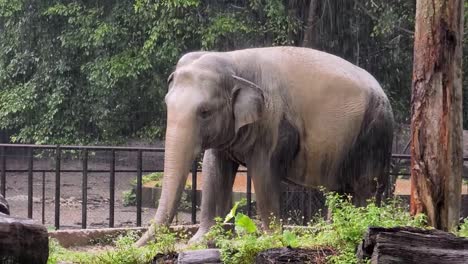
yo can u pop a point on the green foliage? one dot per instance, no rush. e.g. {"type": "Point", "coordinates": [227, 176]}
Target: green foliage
{"type": "Point", "coordinates": [349, 223]}
{"type": "Point", "coordinates": [290, 239]}
{"type": "Point", "coordinates": [124, 251]}
{"type": "Point", "coordinates": [244, 225]}
{"type": "Point", "coordinates": [129, 197]}
{"type": "Point", "coordinates": [82, 72]}
{"type": "Point", "coordinates": [79, 72]}
{"type": "Point", "coordinates": [463, 232]}
{"type": "Point", "coordinates": [343, 233]}
{"type": "Point", "coordinates": [59, 254]}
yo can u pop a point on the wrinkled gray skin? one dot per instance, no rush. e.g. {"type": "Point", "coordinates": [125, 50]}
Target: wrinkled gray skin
{"type": "Point", "coordinates": [288, 114]}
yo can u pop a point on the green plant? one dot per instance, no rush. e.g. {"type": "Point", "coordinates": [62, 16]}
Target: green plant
{"type": "Point", "coordinates": [124, 250]}
{"type": "Point", "coordinates": [155, 176]}
{"type": "Point", "coordinates": [349, 223]}
{"type": "Point", "coordinates": [129, 197]}
{"type": "Point", "coordinates": [343, 233]}
{"type": "Point", "coordinates": [463, 232]}
{"type": "Point", "coordinates": [59, 254]}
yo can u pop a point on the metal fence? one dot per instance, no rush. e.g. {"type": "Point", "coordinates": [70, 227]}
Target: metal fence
{"type": "Point", "coordinates": [111, 171]}
{"type": "Point", "coordinates": [84, 151]}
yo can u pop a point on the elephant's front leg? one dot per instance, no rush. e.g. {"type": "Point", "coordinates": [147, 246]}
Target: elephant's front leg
{"type": "Point", "coordinates": [267, 188]}
{"type": "Point", "coordinates": [218, 177]}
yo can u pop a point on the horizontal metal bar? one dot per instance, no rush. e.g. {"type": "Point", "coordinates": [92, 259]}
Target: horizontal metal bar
{"type": "Point", "coordinates": [89, 171]}
{"type": "Point", "coordinates": [97, 148]}
{"type": "Point", "coordinates": [143, 149]}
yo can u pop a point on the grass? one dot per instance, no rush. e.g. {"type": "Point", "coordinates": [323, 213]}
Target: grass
{"type": "Point", "coordinates": [124, 251]}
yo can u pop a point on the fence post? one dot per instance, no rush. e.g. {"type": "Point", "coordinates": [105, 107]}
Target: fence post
{"type": "Point", "coordinates": [43, 198]}
{"type": "Point", "coordinates": [249, 193]}
{"type": "Point", "coordinates": [84, 190]}
{"type": "Point", "coordinates": [112, 189]}
{"type": "Point", "coordinates": [194, 190]}
{"type": "Point", "coordinates": [30, 181]}
{"type": "Point", "coordinates": [3, 176]}
{"type": "Point", "coordinates": [57, 187]}
{"type": "Point", "coordinates": [139, 186]}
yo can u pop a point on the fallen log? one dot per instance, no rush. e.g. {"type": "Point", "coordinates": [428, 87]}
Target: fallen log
{"type": "Point", "coordinates": [294, 255]}
{"type": "Point", "coordinates": [202, 256]}
{"type": "Point", "coordinates": [22, 241]}
{"type": "Point", "coordinates": [4, 208]}
{"type": "Point", "coordinates": [412, 245]}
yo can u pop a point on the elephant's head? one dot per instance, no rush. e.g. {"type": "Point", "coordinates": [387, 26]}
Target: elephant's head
{"type": "Point", "coordinates": [207, 104]}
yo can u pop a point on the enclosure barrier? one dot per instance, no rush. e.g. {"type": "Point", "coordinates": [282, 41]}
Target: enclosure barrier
{"type": "Point", "coordinates": [84, 150]}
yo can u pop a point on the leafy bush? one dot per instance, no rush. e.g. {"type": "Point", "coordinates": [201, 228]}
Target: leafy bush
{"type": "Point", "coordinates": [343, 233]}
{"type": "Point", "coordinates": [349, 223]}
{"type": "Point", "coordinates": [129, 196]}
{"type": "Point", "coordinates": [463, 232]}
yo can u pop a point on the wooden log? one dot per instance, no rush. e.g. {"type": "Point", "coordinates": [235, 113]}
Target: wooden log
{"type": "Point", "coordinates": [412, 245]}
{"type": "Point", "coordinates": [294, 255]}
{"type": "Point", "coordinates": [202, 256]}
{"type": "Point", "coordinates": [4, 208]}
{"type": "Point", "coordinates": [22, 241]}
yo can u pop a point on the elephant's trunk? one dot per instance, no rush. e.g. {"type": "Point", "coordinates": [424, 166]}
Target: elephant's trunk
{"type": "Point", "coordinates": [180, 151]}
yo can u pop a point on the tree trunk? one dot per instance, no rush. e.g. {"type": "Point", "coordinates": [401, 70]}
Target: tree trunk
{"type": "Point", "coordinates": [436, 104]}
{"type": "Point", "coordinates": [309, 29]}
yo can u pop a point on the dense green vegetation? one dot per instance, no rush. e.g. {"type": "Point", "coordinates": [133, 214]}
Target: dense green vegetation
{"type": "Point", "coordinates": [342, 234]}
{"type": "Point", "coordinates": [81, 71]}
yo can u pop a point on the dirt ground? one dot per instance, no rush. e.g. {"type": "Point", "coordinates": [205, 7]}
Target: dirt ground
{"type": "Point", "coordinates": [71, 185]}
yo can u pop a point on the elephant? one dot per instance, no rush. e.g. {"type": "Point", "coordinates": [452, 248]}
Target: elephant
{"type": "Point", "coordinates": [286, 113]}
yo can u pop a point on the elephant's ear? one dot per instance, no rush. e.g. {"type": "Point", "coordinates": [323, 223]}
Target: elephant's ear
{"type": "Point", "coordinates": [248, 102]}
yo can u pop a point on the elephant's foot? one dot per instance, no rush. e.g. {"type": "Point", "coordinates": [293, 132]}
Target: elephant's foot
{"type": "Point", "coordinates": [198, 237]}
{"type": "Point", "coordinates": [146, 237]}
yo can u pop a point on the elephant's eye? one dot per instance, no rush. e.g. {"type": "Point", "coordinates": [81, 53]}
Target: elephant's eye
{"type": "Point", "coordinates": [205, 113]}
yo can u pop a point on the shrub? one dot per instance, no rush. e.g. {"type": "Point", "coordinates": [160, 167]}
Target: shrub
{"type": "Point", "coordinates": [343, 233]}
{"type": "Point", "coordinates": [463, 232]}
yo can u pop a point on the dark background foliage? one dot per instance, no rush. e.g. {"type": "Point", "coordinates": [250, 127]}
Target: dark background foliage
{"type": "Point", "coordinates": [88, 72]}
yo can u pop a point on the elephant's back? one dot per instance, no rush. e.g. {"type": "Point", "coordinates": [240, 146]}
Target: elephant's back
{"type": "Point", "coordinates": [328, 98]}
{"type": "Point", "coordinates": [331, 96]}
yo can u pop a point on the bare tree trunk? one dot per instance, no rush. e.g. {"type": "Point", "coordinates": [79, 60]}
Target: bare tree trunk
{"type": "Point", "coordinates": [436, 123]}
{"type": "Point", "coordinates": [309, 30]}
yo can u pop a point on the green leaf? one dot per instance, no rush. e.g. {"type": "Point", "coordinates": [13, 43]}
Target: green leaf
{"type": "Point", "coordinates": [244, 224]}
{"type": "Point", "coordinates": [233, 211]}
{"type": "Point", "coordinates": [290, 239]}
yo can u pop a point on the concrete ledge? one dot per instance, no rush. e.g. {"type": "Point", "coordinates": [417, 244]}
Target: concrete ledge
{"type": "Point", "coordinates": [86, 237]}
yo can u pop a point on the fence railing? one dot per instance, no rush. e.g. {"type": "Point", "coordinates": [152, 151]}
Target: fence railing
{"type": "Point", "coordinates": [85, 170]}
